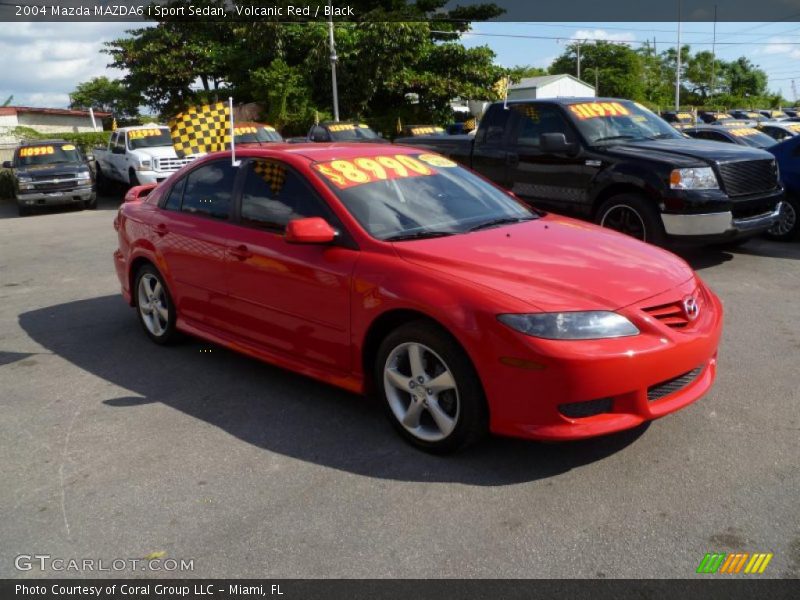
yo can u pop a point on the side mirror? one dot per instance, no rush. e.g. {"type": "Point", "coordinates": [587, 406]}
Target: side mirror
{"type": "Point", "coordinates": [7, 164]}
{"type": "Point", "coordinates": [556, 143]}
{"type": "Point", "coordinates": [311, 230]}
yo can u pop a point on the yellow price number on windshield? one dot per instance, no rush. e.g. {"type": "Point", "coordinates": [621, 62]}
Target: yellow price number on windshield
{"type": "Point", "coordinates": [36, 151]}
{"type": "Point", "coordinates": [592, 110]}
{"type": "Point", "coordinates": [744, 131]}
{"type": "Point", "coordinates": [368, 169]}
{"type": "Point", "coordinates": [137, 134]}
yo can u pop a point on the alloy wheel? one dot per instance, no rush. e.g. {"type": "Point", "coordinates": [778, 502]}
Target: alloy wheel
{"type": "Point", "coordinates": [153, 306]}
{"type": "Point", "coordinates": [626, 220]}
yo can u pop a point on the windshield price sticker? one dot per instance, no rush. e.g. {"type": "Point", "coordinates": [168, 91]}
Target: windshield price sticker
{"type": "Point", "coordinates": [685, 116]}
{"type": "Point", "coordinates": [67, 147]}
{"type": "Point", "coordinates": [425, 130]}
{"type": "Point", "coordinates": [436, 160]}
{"type": "Point", "coordinates": [744, 132]}
{"type": "Point", "coordinates": [342, 127]}
{"type": "Point", "coordinates": [243, 130]}
{"type": "Point", "coordinates": [368, 169]}
{"type": "Point", "coordinates": [795, 127]}
{"type": "Point", "coordinates": [143, 133]}
{"type": "Point", "coordinates": [591, 110]}
{"type": "Point", "coordinates": [37, 151]}
{"type": "Point", "coordinates": [268, 128]}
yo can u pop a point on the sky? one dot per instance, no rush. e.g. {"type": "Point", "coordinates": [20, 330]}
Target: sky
{"type": "Point", "coordinates": [49, 59]}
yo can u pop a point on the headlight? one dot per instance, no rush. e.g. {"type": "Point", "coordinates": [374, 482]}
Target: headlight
{"type": "Point", "coordinates": [25, 183]}
{"type": "Point", "coordinates": [698, 178]}
{"type": "Point", "coordinates": [144, 166]}
{"type": "Point", "coordinates": [24, 179]}
{"type": "Point", "coordinates": [590, 325]}
{"type": "Point", "coordinates": [84, 176]}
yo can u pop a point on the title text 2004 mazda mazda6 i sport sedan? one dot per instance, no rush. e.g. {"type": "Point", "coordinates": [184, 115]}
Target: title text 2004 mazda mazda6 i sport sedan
{"type": "Point", "coordinates": [389, 270]}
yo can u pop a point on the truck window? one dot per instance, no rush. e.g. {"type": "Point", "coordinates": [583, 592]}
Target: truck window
{"type": "Point", "coordinates": [119, 145]}
{"type": "Point", "coordinates": [493, 126]}
{"type": "Point", "coordinates": [537, 120]}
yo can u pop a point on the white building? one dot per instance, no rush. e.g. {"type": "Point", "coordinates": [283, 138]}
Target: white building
{"type": "Point", "coordinates": [550, 86]}
{"type": "Point", "coordinates": [43, 120]}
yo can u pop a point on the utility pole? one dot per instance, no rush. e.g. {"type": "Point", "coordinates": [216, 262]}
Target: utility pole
{"type": "Point", "coordinates": [334, 58]}
{"type": "Point", "coordinates": [714, 57]}
{"type": "Point", "coordinates": [794, 90]}
{"type": "Point", "coordinates": [678, 64]}
{"type": "Point", "coordinates": [579, 43]}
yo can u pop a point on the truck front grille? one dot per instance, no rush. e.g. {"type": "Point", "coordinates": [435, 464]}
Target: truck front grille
{"type": "Point", "coordinates": [48, 185]}
{"type": "Point", "coordinates": [749, 177]}
{"type": "Point", "coordinates": [173, 164]}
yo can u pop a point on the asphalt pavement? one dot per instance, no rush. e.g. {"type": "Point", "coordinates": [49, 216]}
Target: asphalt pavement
{"type": "Point", "coordinates": [115, 448]}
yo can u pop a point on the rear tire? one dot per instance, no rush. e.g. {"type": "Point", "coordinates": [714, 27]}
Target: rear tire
{"type": "Point", "coordinates": [103, 183]}
{"type": "Point", "coordinates": [633, 215]}
{"type": "Point", "coordinates": [154, 305]}
{"type": "Point", "coordinates": [429, 388]}
{"type": "Point", "coordinates": [788, 226]}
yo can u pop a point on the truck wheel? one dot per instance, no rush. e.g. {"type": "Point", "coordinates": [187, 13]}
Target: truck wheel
{"type": "Point", "coordinates": [24, 211]}
{"type": "Point", "coordinates": [134, 181]}
{"type": "Point", "coordinates": [788, 226]}
{"type": "Point", "coordinates": [633, 215]}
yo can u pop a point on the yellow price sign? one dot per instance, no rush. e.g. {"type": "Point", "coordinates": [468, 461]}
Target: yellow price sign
{"type": "Point", "coordinates": [68, 147]}
{"type": "Point", "coordinates": [137, 134]}
{"type": "Point", "coordinates": [437, 160]}
{"type": "Point", "coordinates": [744, 131]}
{"type": "Point", "coordinates": [592, 110]}
{"type": "Point", "coordinates": [342, 127]}
{"type": "Point", "coordinates": [368, 169]}
{"type": "Point", "coordinates": [36, 151]}
{"type": "Point", "coordinates": [243, 130]}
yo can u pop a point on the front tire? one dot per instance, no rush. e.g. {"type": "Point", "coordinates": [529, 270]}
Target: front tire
{"type": "Point", "coordinates": [633, 215]}
{"type": "Point", "coordinates": [154, 306]}
{"type": "Point", "coordinates": [134, 181]}
{"type": "Point", "coordinates": [788, 226]}
{"type": "Point", "coordinates": [429, 388]}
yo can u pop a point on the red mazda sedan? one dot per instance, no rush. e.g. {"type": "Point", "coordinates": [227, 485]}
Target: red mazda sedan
{"type": "Point", "coordinates": [391, 271]}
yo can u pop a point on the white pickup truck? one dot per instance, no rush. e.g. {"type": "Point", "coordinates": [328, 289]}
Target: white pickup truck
{"type": "Point", "coordinates": [137, 155]}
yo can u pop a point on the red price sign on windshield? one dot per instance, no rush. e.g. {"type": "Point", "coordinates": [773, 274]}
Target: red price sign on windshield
{"type": "Point", "coordinates": [368, 169]}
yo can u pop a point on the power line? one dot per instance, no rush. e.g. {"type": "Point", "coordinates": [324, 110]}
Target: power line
{"type": "Point", "coordinates": [549, 37]}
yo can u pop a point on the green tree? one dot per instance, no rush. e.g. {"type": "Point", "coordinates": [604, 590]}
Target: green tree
{"type": "Point", "coordinates": [620, 69]}
{"type": "Point", "coordinates": [104, 94]}
{"type": "Point", "coordinates": [744, 79]}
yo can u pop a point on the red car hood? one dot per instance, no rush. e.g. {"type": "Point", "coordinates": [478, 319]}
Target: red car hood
{"type": "Point", "coordinates": [554, 263]}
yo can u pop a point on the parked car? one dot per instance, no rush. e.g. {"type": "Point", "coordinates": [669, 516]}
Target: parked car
{"type": "Point", "coordinates": [750, 117]}
{"type": "Point", "coordinates": [679, 120]}
{"type": "Point", "coordinates": [780, 130]}
{"type": "Point", "coordinates": [791, 112]}
{"type": "Point", "coordinates": [51, 172]}
{"type": "Point", "coordinates": [774, 114]}
{"type": "Point", "coordinates": [343, 131]}
{"type": "Point", "coordinates": [137, 155]}
{"type": "Point", "coordinates": [711, 117]}
{"type": "Point", "coordinates": [743, 136]}
{"type": "Point", "coordinates": [462, 309]}
{"type": "Point", "coordinates": [788, 155]}
{"type": "Point", "coordinates": [250, 132]}
{"type": "Point", "coordinates": [620, 165]}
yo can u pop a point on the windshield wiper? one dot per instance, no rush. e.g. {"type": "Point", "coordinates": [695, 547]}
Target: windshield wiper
{"type": "Point", "coordinates": [617, 137]}
{"type": "Point", "coordinates": [500, 221]}
{"type": "Point", "coordinates": [418, 235]}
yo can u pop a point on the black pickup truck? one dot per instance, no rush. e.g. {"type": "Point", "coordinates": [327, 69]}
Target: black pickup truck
{"type": "Point", "coordinates": [50, 172]}
{"type": "Point", "coordinates": [616, 163]}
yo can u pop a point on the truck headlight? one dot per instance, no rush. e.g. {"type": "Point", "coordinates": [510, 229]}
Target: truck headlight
{"type": "Point", "coordinates": [24, 183]}
{"type": "Point", "coordinates": [696, 178]}
{"type": "Point", "coordinates": [144, 166]}
{"type": "Point", "coordinates": [590, 325]}
{"type": "Point", "coordinates": [84, 177]}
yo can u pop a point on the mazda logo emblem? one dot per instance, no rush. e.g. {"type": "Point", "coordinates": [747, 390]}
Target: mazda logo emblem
{"type": "Point", "coordinates": [691, 308]}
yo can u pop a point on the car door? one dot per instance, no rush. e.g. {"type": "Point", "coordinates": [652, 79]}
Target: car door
{"type": "Point", "coordinates": [290, 298]}
{"type": "Point", "coordinates": [558, 181]}
{"type": "Point", "coordinates": [114, 157]}
{"type": "Point", "coordinates": [191, 233]}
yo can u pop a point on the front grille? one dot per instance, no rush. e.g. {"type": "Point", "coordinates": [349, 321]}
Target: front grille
{"type": "Point", "coordinates": [749, 177]}
{"type": "Point", "coordinates": [670, 386]}
{"type": "Point", "coordinates": [172, 164]}
{"type": "Point", "coordinates": [47, 185]}
{"type": "Point", "coordinates": [579, 410]}
{"type": "Point", "coordinates": [672, 314]}
{"type": "Point", "coordinates": [747, 209]}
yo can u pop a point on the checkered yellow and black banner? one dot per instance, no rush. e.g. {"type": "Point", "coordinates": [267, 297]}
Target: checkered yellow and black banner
{"type": "Point", "coordinates": [273, 173]}
{"type": "Point", "coordinates": [201, 129]}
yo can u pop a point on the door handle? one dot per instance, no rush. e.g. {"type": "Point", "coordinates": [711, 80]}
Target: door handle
{"type": "Point", "coordinates": [161, 230]}
{"type": "Point", "coordinates": [512, 159]}
{"type": "Point", "coordinates": [240, 252]}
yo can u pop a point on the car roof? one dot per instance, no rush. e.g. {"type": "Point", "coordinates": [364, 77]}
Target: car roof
{"type": "Point", "coordinates": [325, 151]}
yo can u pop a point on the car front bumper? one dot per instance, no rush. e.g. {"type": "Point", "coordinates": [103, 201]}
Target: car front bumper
{"type": "Point", "coordinates": [79, 194]}
{"type": "Point", "coordinates": [531, 383]}
{"type": "Point", "coordinates": [145, 177]}
{"type": "Point", "coordinates": [718, 224]}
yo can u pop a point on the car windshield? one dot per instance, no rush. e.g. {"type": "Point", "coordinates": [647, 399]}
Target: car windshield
{"type": "Point", "coordinates": [48, 154]}
{"type": "Point", "coordinates": [348, 132]}
{"type": "Point", "coordinates": [149, 138]}
{"type": "Point", "coordinates": [401, 197]}
{"type": "Point", "coordinates": [619, 120]}
{"type": "Point", "coordinates": [753, 137]}
{"type": "Point", "coordinates": [256, 134]}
